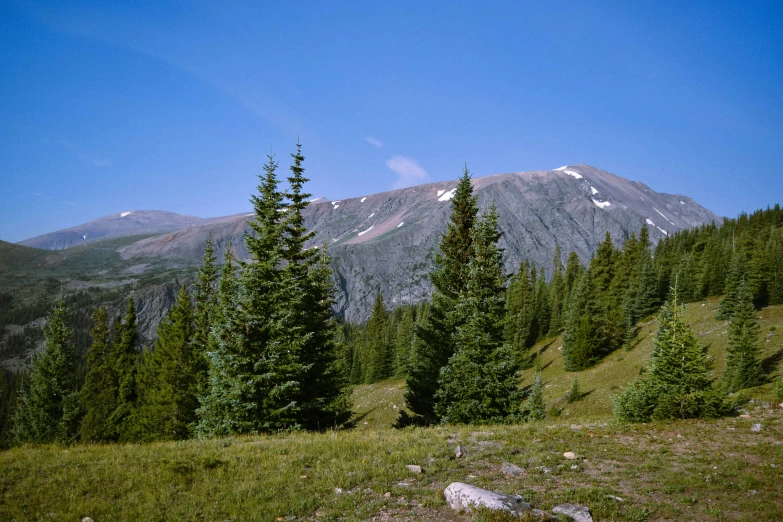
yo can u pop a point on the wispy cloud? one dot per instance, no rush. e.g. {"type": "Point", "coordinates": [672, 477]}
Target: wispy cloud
{"type": "Point", "coordinates": [409, 171]}
{"type": "Point", "coordinates": [77, 151]}
{"type": "Point", "coordinates": [71, 203]}
{"type": "Point", "coordinates": [373, 141]}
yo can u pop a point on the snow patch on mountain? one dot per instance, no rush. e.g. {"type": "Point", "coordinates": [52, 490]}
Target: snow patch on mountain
{"type": "Point", "coordinates": [664, 217]}
{"type": "Point", "coordinates": [448, 195]}
{"type": "Point", "coordinates": [365, 231]}
{"type": "Point", "coordinates": [125, 214]}
{"type": "Point", "coordinates": [600, 204]}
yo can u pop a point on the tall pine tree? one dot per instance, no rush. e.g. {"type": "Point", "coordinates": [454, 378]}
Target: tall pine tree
{"type": "Point", "coordinates": [449, 278]}
{"type": "Point", "coordinates": [378, 349]}
{"type": "Point", "coordinates": [98, 395]}
{"type": "Point", "coordinates": [48, 407]}
{"type": "Point", "coordinates": [743, 366]}
{"type": "Point", "coordinates": [479, 382]}
{"type": "Point", "coordinates": [168, 379]}
{"type": "Point", "coordinates": [121, 421]}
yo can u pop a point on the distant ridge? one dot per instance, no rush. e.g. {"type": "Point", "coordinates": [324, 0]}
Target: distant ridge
{"type": "Point", "coordinates": [128, 223]}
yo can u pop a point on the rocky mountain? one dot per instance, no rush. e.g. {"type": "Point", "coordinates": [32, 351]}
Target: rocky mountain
{"type": "Point", "coordinates": [386, 242]}
{"type": "Point", "coordinates": [131, 223]}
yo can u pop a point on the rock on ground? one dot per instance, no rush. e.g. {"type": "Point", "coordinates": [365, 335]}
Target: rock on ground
{"type": "Point", "coordinates": [577, 513]}
{"type": "Point", "coordinates": [467, 497]}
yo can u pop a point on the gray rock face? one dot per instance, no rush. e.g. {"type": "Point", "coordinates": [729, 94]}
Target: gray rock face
{"type": "Point", "coordinates": [388, 241]}
{"type": "Point", "coordinates": [467, 497]}
{"type": "Point", "coordinates": [577, 513]}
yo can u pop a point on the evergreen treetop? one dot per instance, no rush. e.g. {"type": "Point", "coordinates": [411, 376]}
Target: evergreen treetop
{"type": "Point", "coordinates": [48, 408]}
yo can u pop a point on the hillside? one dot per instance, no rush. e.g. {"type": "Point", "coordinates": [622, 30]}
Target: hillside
{"type": "Point", "coordinates": [377, 404]}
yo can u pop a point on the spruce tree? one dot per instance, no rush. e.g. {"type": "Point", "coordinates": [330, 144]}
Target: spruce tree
{"type": "Point", "coordinates": [583, 337]}
{"type": "Point", "coordinates": [168, 378]}
{"type": "Point", "coordinates": [435, 339]}
{"type": "Point", "coordinates": [378, 349]}
{"type": "Point", "coordinates": [574, 394]}
{"type": "Point", "coordinates": [535, 409]}
{"type": "Point", "coordinates": [324, 399]}
{"type": "Point", "coordinates": [479, 382]}
{"type": "Point", "coordinates": [226, 407]}
{"type": "Point", "coordinates": [573, 273]}
{"type": "Point", "coordinates": [736, 274]}
{"type": "Point", "coordinates": [48, 407]}
{"type": "Point", "coordinates": [403, 342]}
{"type": "Point", "coordinates": [307, 299]}
{"type": "Point", "coordinates": [520, 310]}
{"type": "Point", "coordinates": [205, 296]}
{"type": "Point", "coordinates": [557, 293]}
{"type": "Point", "coordinates": [98, 395]}
{"type": "Point", "coordinates": [678, 386]}
{"type": "Point", "coordinates": [743, 366]}
{"type": "Point", "coordinates": [120, 421]}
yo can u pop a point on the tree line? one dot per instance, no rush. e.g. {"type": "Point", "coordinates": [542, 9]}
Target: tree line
{"type": "Point", "coordinates": [255, 347]}
{"type": "Point", "coordinates": [252, 349]}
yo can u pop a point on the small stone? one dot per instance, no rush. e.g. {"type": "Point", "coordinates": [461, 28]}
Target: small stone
{"type": "Point", "coordinates": [756, 427]}
{"type": "Point", "coordinates": [577, 513]}
{"type": "Point", "coordinates": [459, 452]}
{"type": "Point", "coordinates": [413, 468]}
{"type": "Point", "coordinates": [744, 416]}
{"type": "Point", "coordinates": [512, 469]}
{"type": "Point", "coordinates": [338, 491]}
{"type": "Point", "coordinates": [575, 427]}
{"type": "Point", "coordinates": [302, 476]}
{"type": "Point", "coordinates": [574, 466]}
{"type": "Point", "coordinates": [387, 494]}
{"type": "Point", "coordinates": [752, 491]}
{"type": "Point", "coordinates": [618, 499]}
{"type": "Point", "coordinates": [781, 404]}
{"type": "Point", "coordinates": [87, 519]}
{"type": "Point", "coordinates": [570, 455]}
{"type": "Point", "coordinates": [765, 405]}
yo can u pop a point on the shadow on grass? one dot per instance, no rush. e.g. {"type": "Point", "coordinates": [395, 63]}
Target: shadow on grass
{"type": "Point", "coordinates": [769, 363]}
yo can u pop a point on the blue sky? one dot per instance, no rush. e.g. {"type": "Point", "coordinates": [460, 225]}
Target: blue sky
{"type": "Point", "coordinates": [115, 106]}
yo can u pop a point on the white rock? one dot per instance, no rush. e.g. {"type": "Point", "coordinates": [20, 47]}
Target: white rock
{"type": "Point", "coordinates": [578, 513]}
{"type": "Point", "coordinates": [570, 455]}
{"type": "Point", "coordinates": [414, 468]}
{"type": "Point", "coordinates": [88, 519]}
{"type": "Point", "coordinates": [467, 497]}
{"type": "Point", "coordinates": [459, 452]}
{"type": "Point", "coordinates": [756, 427]}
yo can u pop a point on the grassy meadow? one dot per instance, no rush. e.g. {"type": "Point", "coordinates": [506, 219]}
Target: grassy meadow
{"type": "Point", "coordinates": [721, 469]}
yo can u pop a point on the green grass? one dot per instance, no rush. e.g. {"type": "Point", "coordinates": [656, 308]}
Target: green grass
{"type": "Point", "coordinates": [685, 470]}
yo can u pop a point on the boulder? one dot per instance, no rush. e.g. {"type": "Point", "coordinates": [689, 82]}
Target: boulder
{"type": "Point", "coordinates": [467, 497]}
{"type": "Point", "coordinates": [577, 513]}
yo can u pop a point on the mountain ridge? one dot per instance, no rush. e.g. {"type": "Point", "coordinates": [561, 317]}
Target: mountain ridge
{"type": "Point", "coordinates": [387, 241]}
